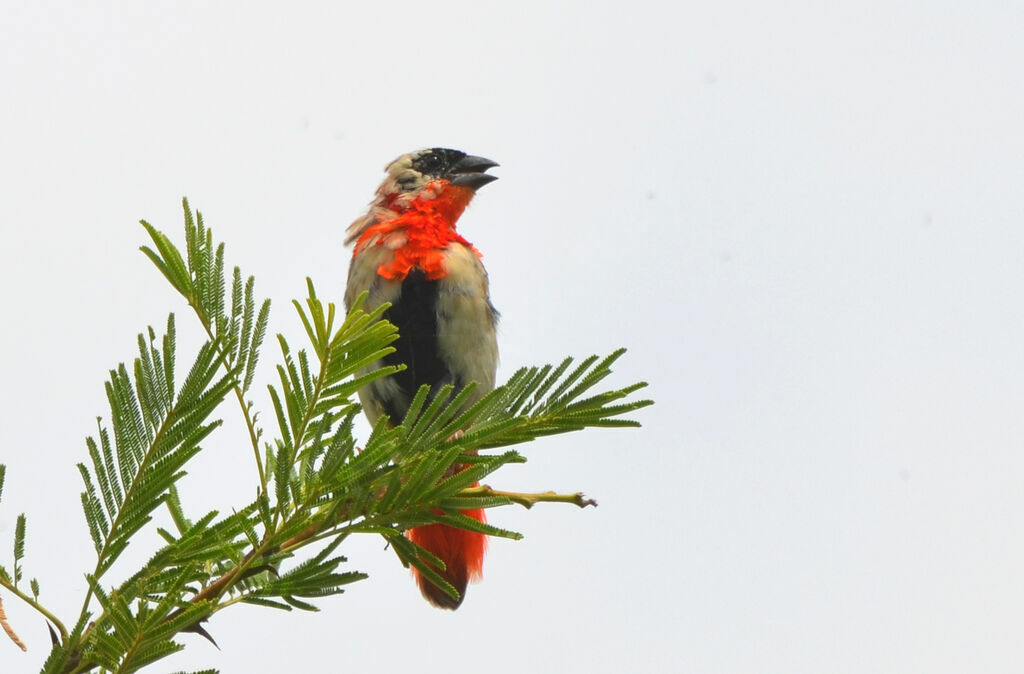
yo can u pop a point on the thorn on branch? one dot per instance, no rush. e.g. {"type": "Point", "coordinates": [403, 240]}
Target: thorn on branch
{"type": "Point", "coordinates": [252, 571]}
{"type": "Point", "coordinates": [198, 628]}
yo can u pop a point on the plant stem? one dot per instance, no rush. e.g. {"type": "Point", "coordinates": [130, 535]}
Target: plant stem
{"type": "Point", "coordinates": [249, 424]}
{"type": "Point", "coordinates": [528, 500]}
{"type": "Point", "coordinates": [37, 606]}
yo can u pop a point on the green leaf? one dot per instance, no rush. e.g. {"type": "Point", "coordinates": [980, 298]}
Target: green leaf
{"type": "Point", "coordinates": [19, 546]}
{"type": "Point", "coordinates": [168, 260]}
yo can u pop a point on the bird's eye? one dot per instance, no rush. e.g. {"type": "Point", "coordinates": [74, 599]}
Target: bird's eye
{"type": "Point", "coordinates": [431, 164]}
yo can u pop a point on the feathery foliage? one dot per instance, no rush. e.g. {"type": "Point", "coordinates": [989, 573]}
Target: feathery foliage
{"type": "Point", "coordinates": [316, 488]}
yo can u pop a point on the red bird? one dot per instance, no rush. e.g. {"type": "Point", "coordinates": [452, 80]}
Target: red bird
{"type": "Point", "coordinates": [407, 252]}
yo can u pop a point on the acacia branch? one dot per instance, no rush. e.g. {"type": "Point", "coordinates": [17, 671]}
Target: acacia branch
{"type": "Point", "coordinates": [34, 604]}
{"type": "Point", "coordinates": [528, 500]}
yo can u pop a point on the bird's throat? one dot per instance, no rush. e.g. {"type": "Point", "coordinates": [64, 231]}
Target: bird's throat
{"type": "Point", "coordinates": [438, 199]}
{"type": "Point", "coordinates": [420, 235]}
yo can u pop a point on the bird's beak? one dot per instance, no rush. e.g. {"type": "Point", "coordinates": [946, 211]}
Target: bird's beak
{"type": "Point", "coordinates": [470, 172]}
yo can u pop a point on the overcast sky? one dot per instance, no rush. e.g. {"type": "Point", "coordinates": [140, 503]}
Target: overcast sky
{"type": "Point", "coordinates": [805, 224]}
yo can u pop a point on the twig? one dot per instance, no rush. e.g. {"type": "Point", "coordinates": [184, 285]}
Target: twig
{"type": "Point", "coordinates": [528, 500]}
{"type": "Point", "coordinates": [36, 605]}
{"type": "Point", "coordinates": [249, 423]}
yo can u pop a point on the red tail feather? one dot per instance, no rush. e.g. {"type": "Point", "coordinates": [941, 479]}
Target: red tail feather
{"type": "Point", "coordinates": [462, 552]}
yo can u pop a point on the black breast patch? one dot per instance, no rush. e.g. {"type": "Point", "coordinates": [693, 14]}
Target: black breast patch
{"type": "Point", "coordinates": [414, 313]}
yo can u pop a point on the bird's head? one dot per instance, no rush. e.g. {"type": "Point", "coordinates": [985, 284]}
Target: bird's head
{"type": "Point", "coordinates": [439, 179]}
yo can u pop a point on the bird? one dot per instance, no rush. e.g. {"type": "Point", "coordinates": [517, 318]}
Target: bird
{"type": "Point", "coordinates": [407, 252]}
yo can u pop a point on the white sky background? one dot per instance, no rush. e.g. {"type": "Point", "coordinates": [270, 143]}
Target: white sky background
{"type": "Point", "coordinates": [804, 223]}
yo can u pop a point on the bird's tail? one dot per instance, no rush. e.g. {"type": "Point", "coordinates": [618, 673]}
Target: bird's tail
{"type": "Point", "coordinates": [462, 553]}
